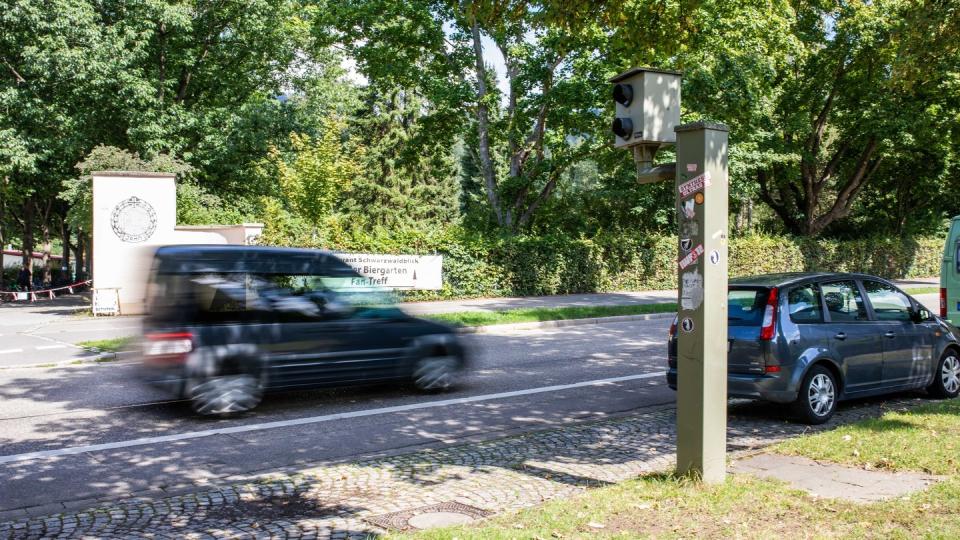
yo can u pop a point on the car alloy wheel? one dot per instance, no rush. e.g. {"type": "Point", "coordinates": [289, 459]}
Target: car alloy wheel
{"type": "Point", "coordinates": [821, 394]}
{"type": "Point", "coordinates": [950, 374]}
{"type": "Point", "coordinates": [226, 394]}
{"type": "Point", "coordinates": [436, 373]}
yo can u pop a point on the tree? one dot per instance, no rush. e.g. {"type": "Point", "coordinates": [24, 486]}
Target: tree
{"type": "Point", "coordinates": [840, 108]}
{"type": "Point", "coordinates": [316, 174]}
{"type": "Point", "coordinates": [549, 116]}
{"type": "Point", "coordinates": [408, 176]}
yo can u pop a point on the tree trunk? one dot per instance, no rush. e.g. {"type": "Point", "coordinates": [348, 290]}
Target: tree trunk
{"type": "Point", "coordinates": [27, 244]}
{"type": "Point", "coordinates": [504, 219]}
{"type": "Point", "coordinates": [65, 238]}
{"type": "Point", "coordinates": [47, 246]}
{"type": "Point", "coordinates": [3, 215]}
{"type": "Point", "coordinates": [79, 274]}
{"type": "Point", "coordinates": [88, 256]}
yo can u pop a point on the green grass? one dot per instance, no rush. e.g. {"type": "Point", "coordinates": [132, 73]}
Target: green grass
{"type": "Point", "coordinates": [926, 438]}
{"type": "Point", "coordinates": [922, 439]}
{"type": "Point", "coordinates": [922, 290]}
{"type": "Point", "coordinates": [108, 345]}
{"type": "Point", "coordinates": [486, 318]}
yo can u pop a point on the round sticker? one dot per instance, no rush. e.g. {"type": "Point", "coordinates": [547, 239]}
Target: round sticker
{"type": "Point", "coordinates": [698, 198]}
{"type": "Point", "coordinates": [686, 324]}
{"type": "Point", "coordinates": [714, 257]}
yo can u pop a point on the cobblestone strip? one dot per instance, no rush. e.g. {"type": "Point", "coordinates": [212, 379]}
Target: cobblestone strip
{"type": "Point", "coordinates": [500, 475]}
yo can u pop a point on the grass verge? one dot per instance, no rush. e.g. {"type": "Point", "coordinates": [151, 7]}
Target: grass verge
{"type": "Point", "coordinates": [108, 345]}
{"type": "Point", "coordinates": [486, 318]}
{"type": "Point", "coordinates": [922, 290]}
{"type": "Point", "coordinates": [924, 439]}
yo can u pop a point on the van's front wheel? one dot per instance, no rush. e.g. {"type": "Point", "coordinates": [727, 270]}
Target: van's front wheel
{"type": "Point", "coordinates": [817, 399]}
{"type": "Point", "coordinates": [225, 394]}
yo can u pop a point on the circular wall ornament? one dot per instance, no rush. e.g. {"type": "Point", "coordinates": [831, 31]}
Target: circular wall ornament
{"type": "Point", "coordinates": [134, 220]}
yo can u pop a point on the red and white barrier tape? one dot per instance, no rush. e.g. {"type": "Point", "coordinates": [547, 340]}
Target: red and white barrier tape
{"type": "Point", "coordinates": [32, 295]}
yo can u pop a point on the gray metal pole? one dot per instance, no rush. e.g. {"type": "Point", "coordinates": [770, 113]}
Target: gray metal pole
{"type": "Point", "coordinates": [702, 194]}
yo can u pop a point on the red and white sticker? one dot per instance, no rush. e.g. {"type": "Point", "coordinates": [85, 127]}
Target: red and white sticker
{"type": "Point", "coordinates": [691, 167]}
{"type": "Point", "coordinates": [694, 185]}
{"type": "Point", "coordinates": [691, 257]}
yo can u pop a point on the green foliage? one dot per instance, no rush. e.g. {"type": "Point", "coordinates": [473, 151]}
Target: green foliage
{"type": "Point", "coordinates": [408, 175]}
{"type": "Point", "coordinates": [317, 173]}
{"type": "Point", "coordinates": [78, 191]}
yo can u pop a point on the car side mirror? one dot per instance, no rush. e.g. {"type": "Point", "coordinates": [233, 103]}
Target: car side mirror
{"type": "Point", "coordinates": [918, 315]}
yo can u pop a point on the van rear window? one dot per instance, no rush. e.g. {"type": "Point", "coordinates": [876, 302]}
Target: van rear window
{"type": "Point", "coordinates": [745, 306]}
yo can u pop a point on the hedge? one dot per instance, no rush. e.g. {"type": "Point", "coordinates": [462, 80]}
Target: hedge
{"type": "Point", "coordinates": [476, 266]}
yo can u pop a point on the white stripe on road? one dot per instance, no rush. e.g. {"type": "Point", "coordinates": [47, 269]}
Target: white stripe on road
{"type": "Point", "coordinates": [8, 351]}
{"type": "Point", "coordinates": [46, 347]}
{"type": "Point", "coordinates": [317, 419]}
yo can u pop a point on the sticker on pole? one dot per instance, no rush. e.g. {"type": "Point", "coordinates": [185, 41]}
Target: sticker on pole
{"type": "Point", "coordinates": [686, 325]}
{"type": "Point", "coordinates": [691, 257]}
{"type": "Point", "coordinates": [689, 209]}
{"type": "Point", "coordinates": [691, 167]}
{"type": "Point", "coordinates": [714, 257]}
{"type": "Point", "coordinates": [691, 290]}
{"type": "Point", "coordinates": [686, 244]}
{"type": "Point", "coordinates": [694, 185]}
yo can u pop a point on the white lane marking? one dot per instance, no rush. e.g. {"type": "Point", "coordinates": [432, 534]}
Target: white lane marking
{"type": "Point", "coordinates": [45, 347]}
{"type": "Point", "coordinates": [8, 351]}
{"type": "Point", "coordinates": [316, 419]}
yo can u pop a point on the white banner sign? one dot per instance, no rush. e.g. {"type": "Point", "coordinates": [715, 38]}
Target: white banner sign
{"type": "Point", "coordinates": [396, 271]}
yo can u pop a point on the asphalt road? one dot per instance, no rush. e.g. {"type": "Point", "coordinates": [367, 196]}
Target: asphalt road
{"type": "Point", "coordinates": [102, 434]}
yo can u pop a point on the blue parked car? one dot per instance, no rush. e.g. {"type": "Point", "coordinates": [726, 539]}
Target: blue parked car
{"type": "Point", "coordinates": [813, 339]}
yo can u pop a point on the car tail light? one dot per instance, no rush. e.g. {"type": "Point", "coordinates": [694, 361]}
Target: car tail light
{"type": "Point", "coordinates": [174, 344]}
{"type": "Point", "coordinates": [769, 328]}
{"type": "Point", "coordinates": [673, 325]}
{"type": "Point", "coordinates": [943, 302]}
{"type": "Point", "coordinates": [771, 369]}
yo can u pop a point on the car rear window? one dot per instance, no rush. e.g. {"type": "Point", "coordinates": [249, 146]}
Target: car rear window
{"type": "Point", "coordinates": [745, 306]}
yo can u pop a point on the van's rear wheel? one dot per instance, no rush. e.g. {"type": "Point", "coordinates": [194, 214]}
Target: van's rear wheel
{"type": "Point", "coordinates": [817, 399]}
{"type": "Point", "coordinates": [946, 382]}
{"type": "Point", "coordinates": [225, 394]}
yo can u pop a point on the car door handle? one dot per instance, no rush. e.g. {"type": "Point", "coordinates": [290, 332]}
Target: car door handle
{"type": "Point", "coordinates": [891, 334]}
{"type": "Point", "coordinates": [841, 336]}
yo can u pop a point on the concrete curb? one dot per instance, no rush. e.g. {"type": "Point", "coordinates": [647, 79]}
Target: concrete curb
{"type": "Point", "coordinates": [100, 358]}
{"type": "Point", "coordinates": [492, 328]}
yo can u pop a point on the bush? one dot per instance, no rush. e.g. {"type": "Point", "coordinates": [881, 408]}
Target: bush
{"type": "Point", "coordinates": [475, 265]}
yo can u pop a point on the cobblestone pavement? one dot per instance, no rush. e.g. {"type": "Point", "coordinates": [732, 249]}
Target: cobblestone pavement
{"type": "Point", "coordinates": [343, 501]}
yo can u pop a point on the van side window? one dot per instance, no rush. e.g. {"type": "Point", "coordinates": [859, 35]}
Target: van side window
{"type": "Point", "coordinates": [843, 301]}
{"type": "Point", "coordinates": [804, 304]}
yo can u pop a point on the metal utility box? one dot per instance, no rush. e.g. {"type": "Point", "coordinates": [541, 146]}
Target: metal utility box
{"type": "Point", "coordinates": [648, 106]}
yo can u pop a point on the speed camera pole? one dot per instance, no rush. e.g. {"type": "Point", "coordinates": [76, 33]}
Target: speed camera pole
{"type": "Point", "coordinates": [647, 103]}
{"type": "Point", "coordinates": [701, 194]}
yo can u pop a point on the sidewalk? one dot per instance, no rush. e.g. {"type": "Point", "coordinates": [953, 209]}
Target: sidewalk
{"type": "Point", "coordinates": [460, 483]}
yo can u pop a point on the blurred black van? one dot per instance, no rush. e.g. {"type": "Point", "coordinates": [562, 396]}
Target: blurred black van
{"type": "Point", "coordinates": [225, 324]}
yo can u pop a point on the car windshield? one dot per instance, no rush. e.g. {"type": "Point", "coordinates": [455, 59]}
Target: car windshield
{"type": "Point", "coordinates": [745, 306]}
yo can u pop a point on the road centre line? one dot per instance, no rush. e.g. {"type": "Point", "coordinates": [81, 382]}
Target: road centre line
{"type": "Point", "coordinates": [8, 351]}
{"type": "Point", "coordinates": [46, 347]}
{"type": "Point", "coordinates": [316, 419]}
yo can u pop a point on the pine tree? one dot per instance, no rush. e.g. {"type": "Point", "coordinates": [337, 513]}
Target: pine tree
{"type": "Point", "coordinates": [410, 176]}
